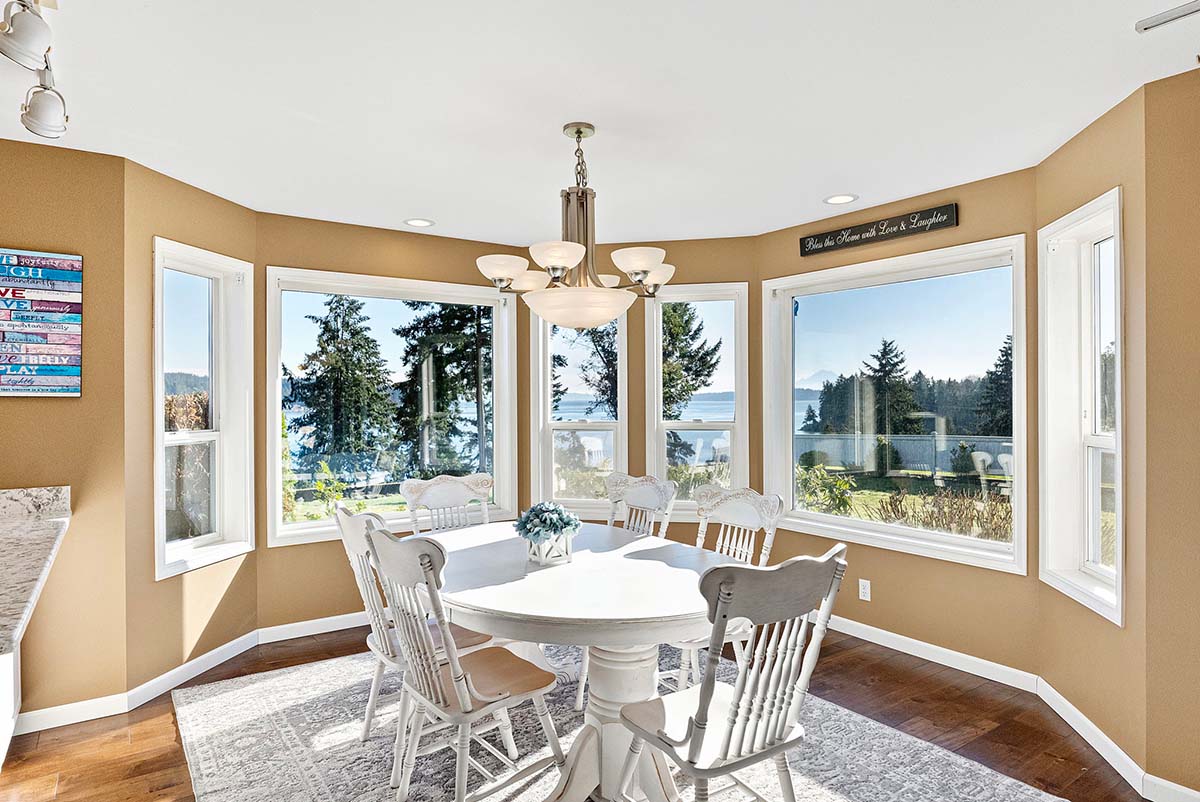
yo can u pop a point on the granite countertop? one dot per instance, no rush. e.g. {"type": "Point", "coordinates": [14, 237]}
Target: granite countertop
{"type": "Point", "coordinates": [33, 521]}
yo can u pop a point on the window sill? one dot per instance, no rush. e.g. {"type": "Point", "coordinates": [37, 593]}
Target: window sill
{"type": "Point", "coordinates": [1093, 592]}
{"type": "Point", "coordinates": [586, 509]}
{"type": "Point", "coordinates": [300, 533]}
{"type": "Point", "coordinates": [950, 548]}
{"type": "Point", "coordinates": [186, 557]}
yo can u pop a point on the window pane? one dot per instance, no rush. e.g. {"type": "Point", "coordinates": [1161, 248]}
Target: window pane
{"type": "Point", "coordinates": [696, 458]}
{"type": "Point", "coordinates": [582, 461]}
{"type": "Point", "coordinates": [187, 351]}
{"type": "Point", "coordinates": [583, 373]}
{"type": "Point", "coordinates": [1106, 336]}
{"type": "Point", "coordinates": [902, 403]}
{"type": "Point", "coordinates": [376, 391]}
{"type": "Point", "coordinates": [191, 496]}
{"type": "Point", "coordinates": [1102, 484]}
{"type": "Point", "coordinates": [698, 361]}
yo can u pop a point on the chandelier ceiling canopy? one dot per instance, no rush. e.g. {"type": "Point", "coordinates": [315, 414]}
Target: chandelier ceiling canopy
{"type": "Point", "coordinates": [566, 290]}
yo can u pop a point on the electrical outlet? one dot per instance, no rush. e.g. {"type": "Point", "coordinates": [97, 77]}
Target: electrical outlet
{"type": "Point", "coordinates": [864, 589]}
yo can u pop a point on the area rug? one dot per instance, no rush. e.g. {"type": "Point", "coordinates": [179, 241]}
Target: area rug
{"type": "Point", "coordinates": [293, 736]}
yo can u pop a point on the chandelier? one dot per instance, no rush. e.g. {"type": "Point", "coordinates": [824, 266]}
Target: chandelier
{"type": "Point", "coordinates": [568, 291]}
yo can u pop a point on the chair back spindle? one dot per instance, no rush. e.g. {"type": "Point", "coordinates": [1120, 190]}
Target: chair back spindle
{"type": "Point", "coordinates": [644, 499]}
{"type": "Point", "coordinates": [741, 514]}
{"type": "Point", "coordinates": [353, 530]}
{"type": "Point", "coordinates": [449, 500]}
{"type": "Point", "coordinates": [789, 605]}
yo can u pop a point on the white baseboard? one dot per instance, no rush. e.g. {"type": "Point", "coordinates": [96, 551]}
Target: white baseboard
{"type": "Point", "coordinates": [1159, 790]}
{"type": "Point", "coordinates": [938, 654]}
{"type": "Point", "coordinates": [1113, 754]}
{"type": "Point", "coordinates": [88, 709]}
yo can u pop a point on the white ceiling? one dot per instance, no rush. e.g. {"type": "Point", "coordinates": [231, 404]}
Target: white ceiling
{"type": "Point", "coordinates": [714, 118]}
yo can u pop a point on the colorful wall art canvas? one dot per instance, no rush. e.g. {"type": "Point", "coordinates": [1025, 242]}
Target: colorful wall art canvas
{"type": "Point", "coordinates": [41, 323]}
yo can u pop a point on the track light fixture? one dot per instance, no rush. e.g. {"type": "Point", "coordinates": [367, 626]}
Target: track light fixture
{"type": "Point", "coordinates": [44, 111]}
{"type": "Point", "coordinates": [25, 39]}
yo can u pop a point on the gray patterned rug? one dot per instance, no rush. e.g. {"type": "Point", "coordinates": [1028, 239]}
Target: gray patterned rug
{"type": "Point", "coordinates": [293, 736]}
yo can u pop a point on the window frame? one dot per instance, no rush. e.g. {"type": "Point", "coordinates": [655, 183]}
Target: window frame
{"type": "Point", "coordinates": [1067, 246]}
{"type": "Point", "coordinates": [656, 427]}
{"type": "Point", "coordinates": [542, 426]}
{"type": "Point", "coordinates": [778, 361]}
{"type": "Point", "coordinates": [504, 368]}
{"type": "Point", "coordinates": [231, 410]}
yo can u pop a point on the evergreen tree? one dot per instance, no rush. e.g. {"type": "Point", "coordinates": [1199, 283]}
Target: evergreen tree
{"type": "Point", "coordinates": [894, 401]}
{"type": "Point", "coordinates": [994, 409]}
{"type": "Point", "coordinates": [810, 423]}
{"type": "Point", "coordinates": [344, 390]}
{"type": "Point", "coordinates": [688, 360]}
{"type": "Point", "coordinates": [599, 368]}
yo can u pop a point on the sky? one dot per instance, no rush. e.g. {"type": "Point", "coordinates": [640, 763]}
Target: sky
{"type": "Point", "coordinates": [300, 334]}
{"type": "Point", "coordinates": [949, 327]}
{"type": "Point", "coordinates": [186, 331]}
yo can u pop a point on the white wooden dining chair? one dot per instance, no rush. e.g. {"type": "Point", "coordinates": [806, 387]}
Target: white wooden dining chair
{"type": "Point", "coordinates": [644, 498]}
{"type": "Point", "coordinates": [714, 729]}
{"type": "Point", "coordinates": [741, 515]}
{"type": "Point", "coordinates": [381, 640]}
{"type": "Point", "coordinates": [449, 500]}
{"type": "Point", "coordinates": [460, 690]}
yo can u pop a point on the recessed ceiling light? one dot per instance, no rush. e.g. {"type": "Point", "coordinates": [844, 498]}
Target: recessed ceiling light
{"type": "Point", "coordinates": [839, 199]}
{"type": "Point", "coordinates": [418, 222]}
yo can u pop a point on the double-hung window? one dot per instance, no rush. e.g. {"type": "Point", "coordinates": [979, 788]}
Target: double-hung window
{"type": "Point", "coordinates": [1079, 335]}
{"type": "Point", "coordinates": [578, 432]}
{"type": "Point", "coordinates": [203, 411]}
{"type": "Point", "coordinates": [894, 402]}
{"type": "Point", "coordinates": [374, 380]}
{"type": "Point", "coordinates": [696, 406]}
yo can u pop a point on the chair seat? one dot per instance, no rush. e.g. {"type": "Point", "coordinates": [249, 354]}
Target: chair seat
{"type": "Point", "coordinates": [495, 671]}
{"type": "Point", "coordinates": [465, 639]}
{"type": "Point", "coordinates": [671, 713]}
{"type": "Point", "coordinates": [739, 629]}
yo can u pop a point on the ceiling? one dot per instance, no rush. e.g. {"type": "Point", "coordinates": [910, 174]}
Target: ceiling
{"type": "Point", "coordinates": [713, 118]}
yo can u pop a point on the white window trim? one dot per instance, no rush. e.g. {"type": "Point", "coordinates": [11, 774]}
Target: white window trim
{"type": "Point", "coordinates": [504, 371]}
{"type": "Point", "coordinates": [1069, 572]}
{"type": "Point", "coordinates": [542, 427]}
{"type": "Point", "coordinates": [739, 429]}
{"type": "Point", "coordinates": [232, 408]}
{"type": "Point", "coordinates": [777, 400]}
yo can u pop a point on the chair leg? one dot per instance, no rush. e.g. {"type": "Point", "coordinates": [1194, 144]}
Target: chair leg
{"type": "Point", "coordinates": [695, 658]}
{"type": "Point", "coordinates": [702, 789]}
{"type": "Point", "coordinates": [543, 714]}
{"type": "Point", "coordinates": [410, 753]}
{"type": "Point", "coordinates": [373, 699]}
{"type": "Point", "coordinates": [628, 768]}
{"type": "Point", "coordinates": [583, 673]}
{"type": "Point", "coordinates": [785, 777]}
{"type": "Point", "coordinates": [681, 676]}
{"type": "Point", "coordinates": [402, 722]}
{"type": "Point", "coordinates": [462, 747]}
{"type": "Point", "coordinates": [506, 733]}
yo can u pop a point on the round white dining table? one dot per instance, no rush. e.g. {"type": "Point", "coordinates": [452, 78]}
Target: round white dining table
{"type": "Point", "coordinates": [621, 595]}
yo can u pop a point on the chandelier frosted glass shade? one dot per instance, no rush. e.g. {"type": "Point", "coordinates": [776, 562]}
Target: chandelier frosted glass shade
{"type": "Point", "coordinates": [659, 275]}
{"type": "Point", "coordinates": [502, 267]}
{"type": "Point", "coordinates": [26, 36]}
{"type": "Point", "coordinates": [638, 260]}
{"type": "Point", "coordinates": [579, 307]}
{"type": "Point", "coordinates": [557, 253]}
{"type": "Point", "coordinates": [531, 280]}
{"type": "Point", "coordinates": [610, 280]}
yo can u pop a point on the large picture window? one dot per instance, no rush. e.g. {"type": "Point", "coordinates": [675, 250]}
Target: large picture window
{"type": "Point", "coordinates": [1079, 324]}
{"type": "Point", "coordinates": [378, 381]}
{"type": "Point", "coordinates": [203, 406]}
{"type": "Point", "coordinates": [696, 430]}
{"type": "Point", "coordinates": [901, 418]}
{"type": "Point", "coordinates": [578, 431]}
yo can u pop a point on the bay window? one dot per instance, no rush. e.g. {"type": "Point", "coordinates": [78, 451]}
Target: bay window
{"type": "Point", "coordinates": [894, 403]}
{"type": "Point", "coordinates": [1079, 335]}
{"type": "Point", "coordinates": [375, 380]}
{"type": "Point", "coordinates": [203, 471]}
{"type": "Point", "coordinates": [696, 406]}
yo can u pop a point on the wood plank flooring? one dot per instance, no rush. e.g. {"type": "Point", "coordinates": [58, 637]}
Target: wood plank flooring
{"type": "Point", "coordinates": [138, 756]}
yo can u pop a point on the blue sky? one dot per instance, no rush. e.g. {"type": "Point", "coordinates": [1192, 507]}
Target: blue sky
{"type": "Point", "coordinates": [300, 334]}
{"type": "Point", "coordinates": [186, 334]}
{"type": "Point", "coordinates": [949, 327]}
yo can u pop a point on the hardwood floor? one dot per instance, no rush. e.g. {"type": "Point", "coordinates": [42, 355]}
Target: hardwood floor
{"type": "Point", "coordinates": [138, 756]}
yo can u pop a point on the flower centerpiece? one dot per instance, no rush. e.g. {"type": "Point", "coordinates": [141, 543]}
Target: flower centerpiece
{"type": "Point", "coordinates": [548, 528]}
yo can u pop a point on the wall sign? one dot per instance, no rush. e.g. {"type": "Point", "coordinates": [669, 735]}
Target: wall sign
{"type": "Point", "coordinates": [41, 323]}
{"type": "Point", "coordinates": [901, 225]}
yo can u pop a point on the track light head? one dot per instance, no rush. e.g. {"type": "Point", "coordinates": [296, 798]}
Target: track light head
{"type": "Point", "coordinates": [25, 36]}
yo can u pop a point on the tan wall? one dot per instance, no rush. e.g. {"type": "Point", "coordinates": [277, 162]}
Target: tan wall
{"type": "Point", "coordinates": [297, 583]}
{"type": "Point", "coordinates": [172, 621]}
{"type": "Point", "coordinates": [67, 201]}
{"type": "Point", "coordinates": [1172, 442]}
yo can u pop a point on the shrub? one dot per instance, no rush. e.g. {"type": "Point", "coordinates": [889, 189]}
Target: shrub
{"type": "Point", "coordinates": [887, 458]}
{"type": "Point", "coordinates": [818, 489]}
{"type": "Point", "coordinates": [328, 488]}
{"type": "Point", "coordinates": [811, 458]}
{"type": "Point", "coordinates": [960, 458]}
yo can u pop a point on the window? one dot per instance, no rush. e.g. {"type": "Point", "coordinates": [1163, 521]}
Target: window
{"type": "Point", "coordinates": [696, 431]}
{"type": "Point", "coordinates": [578, 435]}
{"type": "Point", "coordinates": [1079, 339]}
{"type": "Point", "coordinates": [894, 402]}
{"type": "Point", "coordinates": [203, 321]}
{"type": "Point", "coordinates": [377, 380]}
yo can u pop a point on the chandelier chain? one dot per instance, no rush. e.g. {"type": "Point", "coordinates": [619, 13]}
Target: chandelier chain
{"type": "Point", "coordinates": [581, 173]}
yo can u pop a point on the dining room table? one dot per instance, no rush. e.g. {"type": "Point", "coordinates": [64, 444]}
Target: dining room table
{"type": "Point", "coordinates": [620, 596]}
